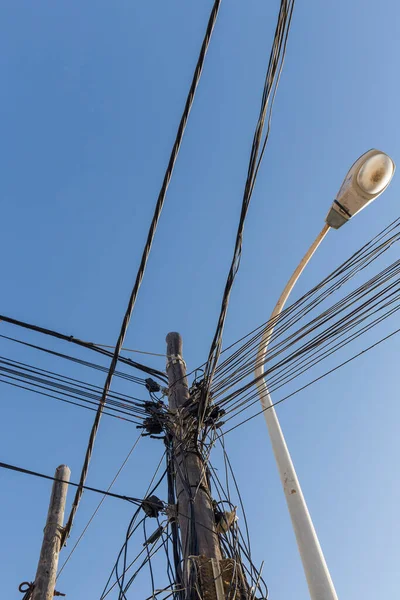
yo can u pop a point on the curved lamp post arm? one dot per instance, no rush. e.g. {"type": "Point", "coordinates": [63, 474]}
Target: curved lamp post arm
{"type": "Point", "coordinates": [318, 577]}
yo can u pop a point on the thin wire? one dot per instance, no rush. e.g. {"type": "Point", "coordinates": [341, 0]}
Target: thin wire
{"type": "Point", "coordinates": [315, 380]}
{"type": "Point", "coordinates": [150, 490]}
{"type": "Point", "coordinates": [137, 351]}
{"type": "Point", "coordinates": [85, 487]}
{"type": "Point", "coordinates": [362, 258]}
{"type": "Point", "coordinates": [77, 341]}
{"type": "Point", "coordinates": [55, 379]}
{"type": "Point", "coordinates": [98, 506]}
{"type": "Point", "coordinates": [117, 416]}
{"type": "Point", "coordinates": [380, 301]}
{"type": "Point", "coordinates": [79, 361]}
{"type": "Point", "coordinates": [288, 318]}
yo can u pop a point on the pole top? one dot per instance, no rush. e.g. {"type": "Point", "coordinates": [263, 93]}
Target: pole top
{"type": "Point", "coordinates": [173, 335]}
{"type": "Point", "coordinates": [174, 343]}
{"type": "Point", "coordinates": [64, 468]}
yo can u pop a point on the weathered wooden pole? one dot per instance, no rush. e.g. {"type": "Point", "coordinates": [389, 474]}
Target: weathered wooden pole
{"type": "Point", "coordinates": [195, 510]}
{"type": "Point", "coordinates": [46, 573]}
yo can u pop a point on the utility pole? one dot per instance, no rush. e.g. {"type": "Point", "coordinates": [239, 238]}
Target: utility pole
{"type": "Point", "coordinates": [196, 518]}
{"type": "Point", "coordinates": [45, 580]}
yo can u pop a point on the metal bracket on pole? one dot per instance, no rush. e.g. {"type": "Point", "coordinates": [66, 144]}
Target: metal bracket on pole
{"type": "Point", "coordinates": [173, 359]}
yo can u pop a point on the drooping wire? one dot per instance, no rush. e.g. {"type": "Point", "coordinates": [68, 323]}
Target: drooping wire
{"type": "Point", "coordinates": [131, 529]}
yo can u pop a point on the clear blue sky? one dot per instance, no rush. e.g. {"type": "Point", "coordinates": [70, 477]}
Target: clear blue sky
{"type": "Point", "coordinates": [92, 94]}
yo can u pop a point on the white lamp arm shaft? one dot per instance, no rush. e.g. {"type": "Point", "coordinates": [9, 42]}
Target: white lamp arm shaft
{"type": "Point", "coordinates": [263, 347]}
{"type": "Point", "coordinates": [315, 568]}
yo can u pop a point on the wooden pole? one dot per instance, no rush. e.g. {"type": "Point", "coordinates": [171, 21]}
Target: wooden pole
{"type": "Point", "coordinates": [195, 510]}
{"type": "Point", "coordinates": [46, 573]}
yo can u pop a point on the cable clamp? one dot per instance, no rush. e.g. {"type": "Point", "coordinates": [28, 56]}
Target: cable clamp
{"type": "Point", "coordinates": [174, 359]}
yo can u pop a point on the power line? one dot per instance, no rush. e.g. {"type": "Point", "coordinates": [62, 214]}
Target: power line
{"type": "Point", "coordinates": [78, 383]}
{"type": "Point", "coordinates": [359, 261]}
{"type": "Point", "coordinates": [145, 255]}
{"type": "Point", "coordinates": [78, 342]}
{"type": "Point", "coordinates": [85, 487]}
{"type": "Point", "coordinates": [272, 78]}
{"type": "Point", "coordinates": [375, 299]}
{"type": "Point", "coordinates": [79, 361]}
{"type": "Point", "coordinates": [130, 531]}
{"type": "Point", "coordinates": [130, 350]}
{"type": "Point", "coordinates": [315, 380]}
{"type": "Point", "coordinates": [41, 379]}
{"type": "Point", "coordinates": [116, 416]}
{"type": "Point", "coordinates": [96, 510]}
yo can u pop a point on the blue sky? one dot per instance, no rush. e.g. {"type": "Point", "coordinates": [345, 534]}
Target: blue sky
{"type": "Point", "coordinates": [92, 95]}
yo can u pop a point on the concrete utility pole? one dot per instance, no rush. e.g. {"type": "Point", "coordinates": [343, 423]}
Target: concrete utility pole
{"type": "Point", "coordinates": [46, 573]}
{"type": "Point", "coordinates": [195, 509]}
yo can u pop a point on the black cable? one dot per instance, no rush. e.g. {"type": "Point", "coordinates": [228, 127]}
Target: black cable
{"type": "Point", "coordinates": [131, 529]}
{"type": "Point", "coordinates": [85, 487]}
{"type": "Point", "coordinates": [362, 258]}
{"type": "Point", "coordinates": [145, 255]}
{"type": "Point", "coordinates": [315, 380]}
{"type": "Point", "coordinates": [275, 66]}
{"type": "Point", "coordinates": [79, 361]}
{"type": "Point", "coordinates": [88, 345]}
{"type": "Point", "coordinates": [60, 570]}
{"type": "Point", "coordinates": [290, 316]}
{"type": "Point", "coordinates": [149, 558]}
{"type": "Point", "coordinates": [63, 382]}
{"type": "Point", "coordinates": [382, 300]}
{"type": "Point", "coordinates": [117, 416]}
{"type": "Point", "coordinates": [37, 384]}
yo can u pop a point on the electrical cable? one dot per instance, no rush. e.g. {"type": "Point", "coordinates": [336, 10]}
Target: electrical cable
{"type": "Point", "coordinates": [85, 487]}
{"type": "Point", "coordinates": [272, 78]}
{"type": "Point", "coordinates": [378, 294]}
{"type": "Point", "coordinates": [116, 416]}
{"type": "Point", "coordinates": [145, 255]}
{"type": "Point", "coordinates": [336, 368]}
{"type": "Point", "coordinates": [88, 345]}
{"type": "Point", "coordinates": [383, 299]}
{"type": "Point", "coordinates": [78, 361]}
{"type": "Point", "coordinates": [359, 261]}
{"type": "Point", "coordinates": [96, 510]}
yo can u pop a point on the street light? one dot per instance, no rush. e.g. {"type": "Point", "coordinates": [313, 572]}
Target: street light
{"type": "Point", "coordinates": [367, 179]}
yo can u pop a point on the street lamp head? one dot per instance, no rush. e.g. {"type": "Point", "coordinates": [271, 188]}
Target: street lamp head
{"type": "Point", "coordinates": [367, 179]}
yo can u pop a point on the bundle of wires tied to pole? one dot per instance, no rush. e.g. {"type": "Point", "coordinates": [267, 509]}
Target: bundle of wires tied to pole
{"type": "Point", "coordinates": [260, 139]}
{"type": "Point", "coordinates": [152, 542]}
{"type": "Point", "coordinates": [312, 329]}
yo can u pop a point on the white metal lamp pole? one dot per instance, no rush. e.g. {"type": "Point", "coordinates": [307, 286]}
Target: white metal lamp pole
{"type": "Point", "coordinates": [367, 179]}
